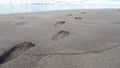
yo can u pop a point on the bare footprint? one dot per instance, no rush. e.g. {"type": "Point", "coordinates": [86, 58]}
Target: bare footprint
{"type": "Point", "coordinates": [60, 35]}
{"type": "Point", "coordinates": [69, 14]}
{"type": "Point", "coordinates": [59, 23]}
{"type": "Point", "coordinates": [83, 12]}
{"type": "Point", "coordinates": [20, 23]}
{"type": "Point", "coordinates": [78, 18]}
{"type": "Point", "coordinates": [15, 51]}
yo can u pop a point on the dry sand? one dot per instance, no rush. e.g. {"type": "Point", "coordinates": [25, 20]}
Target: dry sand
{"type": "Point", "coordinates": [61, 39]}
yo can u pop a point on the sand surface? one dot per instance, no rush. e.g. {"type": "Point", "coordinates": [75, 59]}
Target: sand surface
{"type": "Point", "coordinates": [61, 39]}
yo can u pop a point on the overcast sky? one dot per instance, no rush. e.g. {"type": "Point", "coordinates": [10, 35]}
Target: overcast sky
{"type": "Point", "coordinates": [53, 1]}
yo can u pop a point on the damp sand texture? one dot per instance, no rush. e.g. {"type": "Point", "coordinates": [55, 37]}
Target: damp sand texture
{"type": "Point", "coordinates": [61, 39]}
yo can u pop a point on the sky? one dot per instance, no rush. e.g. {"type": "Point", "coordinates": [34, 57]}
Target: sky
{"type": "Point", "coordinates": [58, 1]}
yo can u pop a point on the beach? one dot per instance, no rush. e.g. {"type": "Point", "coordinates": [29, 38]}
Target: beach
{"type": "Point", "coordinates": [86, 38]}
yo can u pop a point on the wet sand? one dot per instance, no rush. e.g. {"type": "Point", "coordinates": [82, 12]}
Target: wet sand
{"type": "Point", "coordinates": [61, 39]}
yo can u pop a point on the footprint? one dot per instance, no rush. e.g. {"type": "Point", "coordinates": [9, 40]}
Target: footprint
{"type": "Point", "coordinates": [20, 23]}
{"type": "Point", "coordinates": [78, 18]}
{"type": "Point", "coordinates": [83, 12]}
{"type": "Point", "coordinates": [59, 23]}
{"type": "Point", "coordinates": [69, 14]}
{"type": "Point", "coordinates": [15, 51]}
{"type": "Point", "coordinates": [60, 35]}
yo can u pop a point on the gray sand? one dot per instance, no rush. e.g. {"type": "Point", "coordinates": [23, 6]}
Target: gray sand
{"type": "Point", "coordinates": [61, 39]}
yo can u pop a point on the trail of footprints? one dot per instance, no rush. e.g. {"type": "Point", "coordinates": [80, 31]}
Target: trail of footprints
{"type": "Point", "coordinates": [20, 48]}
{"type": "Point", "coordinates": [15, 51]}
{"type": "Point", "coordinates": [63, 33]}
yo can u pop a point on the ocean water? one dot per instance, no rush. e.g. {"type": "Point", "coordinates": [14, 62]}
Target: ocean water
{"type": "Point", "coordinates": [26, 8]}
